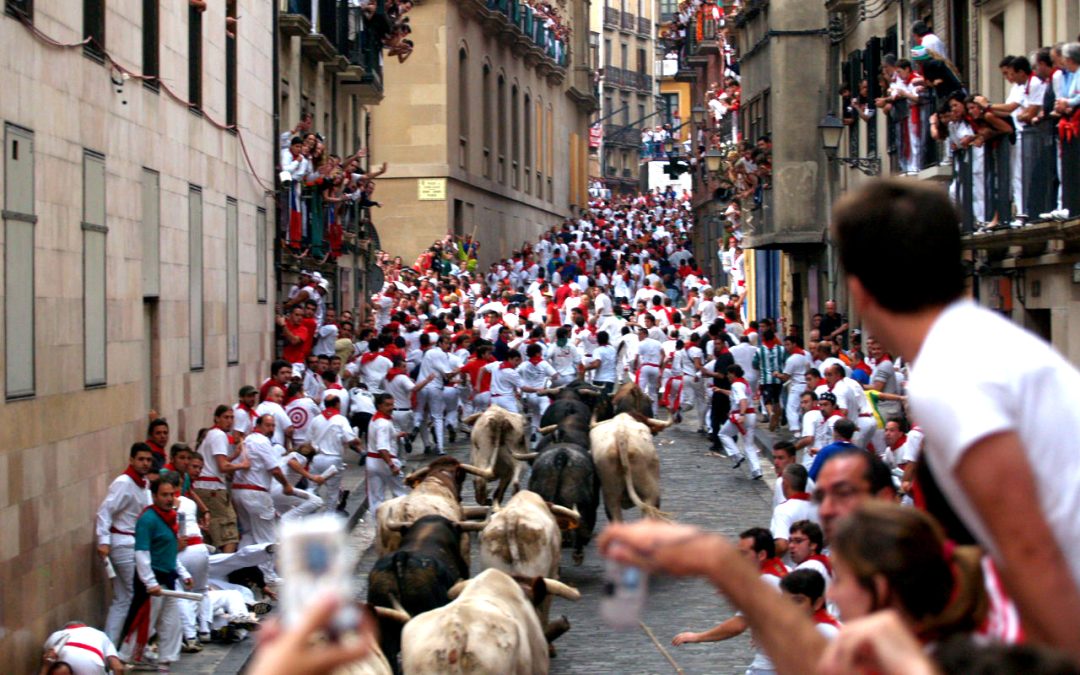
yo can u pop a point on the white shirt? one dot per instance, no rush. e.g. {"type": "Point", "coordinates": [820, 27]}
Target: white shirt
{"type": "Point", "coordinates": [565, 360]}
{"type": "Point", "coordinates": [790, 511]}
{"type": "Point", "coordinates": [796, 366]}
{"type": "Point", "coordinates": [743, 353]}
{"type": "Point", "coordinates": [123, 504]}
{"type": "Point", "coordinates": [242, 421]}
{"type": "Point", "coordinates": [301, 412]}
{"type": "Point", "coordinates": [437, 362]}
{"type": "Point", "coordinates": [1035, 401]}
{"type": "Point", "coordinates": [216, 442]}
{"type": "Point", "coordinates": [401, 388]}
{"type": "Point", "coordinates": [650, 352]}
{"type": "Point", "coordinates": [812, 422]}
{"type": "Point", "coordinates": [190, 511]}
{"type": "Point", "coordinates": [263, 459]}
{"type": "Point", "coordinates": [332, 436]}
{"type": "Point", "coordinates": [504, 381]}
{"type": "Point", "coordinates": [82, 661]}
{"type": "Point", "coordinates": [536, 375]}
{"type": "Point", "coordinates": [326, 336]}
{"type": "Point", "coordinates": [380, 437]}
{"type": "Point", "coordinates": [373, 372]}
{"type": "Point", "coordinates": [291, 476]}
{"type": "Point", "coordinates": [281, 420]}
{"type": "Point", "coordinates": [606, 356]}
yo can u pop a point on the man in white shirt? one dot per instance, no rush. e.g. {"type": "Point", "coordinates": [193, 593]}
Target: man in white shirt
{"type": "Point", "coordinates": [741, 424]}
{"type": "Point", "coordinates": [795, 507]}
{"type": "Point", "coordinates": [331, 434]}
{"type": "Point", "coordinates": [1023, 104]}
{"type": "Point", "coordinates": [1005, 450]}
{"type": "Point", "coordinates": [221, 458]}
{"type": "Point", "coordinates": [86, 650]}
{"type": "Point", "coordinates": [794, 376]}
{"type": "Point", "coordinates": [282, 430]}
{"type": "Point", "coordinates": [810, 432]}
{"type": "Point", "coordinates": [251, 489]}
{"type": "Point", "coordinates": [564, 358]}
{"type": "Point", "coordinates": [650, 356]}
{"type": "Point", "coordinates": [535, 373]}
{"type": "Point", "coordinates": [506, 382]}
{"type": "Point", "coordinates": [374, 366]}
{"type": "Point", "coordinates": [301, 411]}
{"type": "Point", "coordinates": [244, 414]}
{"type": "Point", "coordinates": [127, 498]}
{"type": "Point", "coordinates": [806, 542]}
{"type": "Point", "coordinates": [430, 403]}
{"type": "Point", "coordinates": [604, 363]}
{"type": "Point", "coordinates": [384, 469]}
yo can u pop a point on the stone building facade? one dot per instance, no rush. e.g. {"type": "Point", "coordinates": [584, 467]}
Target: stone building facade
{"type": "Point", "coordinates": [136, 266]}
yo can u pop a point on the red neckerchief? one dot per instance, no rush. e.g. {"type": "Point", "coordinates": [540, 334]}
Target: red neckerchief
{"type": "Point", "coordinates": [155, 448]}
{"type": "Point", "coordinates": [798, 350]}
{"type": "Point", "coordinates": [903, 439]}
{"type": "Point", "coordinates": [821, 616]}
{"type": "Point", "coordinates": [804, 496]}
{"type": "Point", "coordinates": [504, 365]}
{"type": "Point", "coordinates": [774, 567]}
{"type": "Point", "coordinates": [248, 409]}
{"type": "Point", "coordinates": [169, 467]}
{"type": "Point", "coordinates": [769, 344]}
{"type": "Point", "coordinates": [368, 358]}
{"type": "Point", "coordinates": [1027, 87]}
{"type": "Point", "coordinates": [824, 560]}
{"type": "Point", "coordinates": [334, 385]}
{"type": "Point", "coordinates": [232, 441]}
{"type": "Point", "coordinates": [394, 372]}
{"type": "Point", "coordinates": [740, 379]}
{"type": "Point", "coordinates": [535, 360]}
{"type": "Point", "coordinates": [330, 412]}
{"type": "Point", "coordinates": [379, 415]}
{"type": "Point", "coordinates": [139, 480]}
{"type": "Point", "coordinates": [167, 515]}
{"type": "Point", "coordinates": [835, 413]}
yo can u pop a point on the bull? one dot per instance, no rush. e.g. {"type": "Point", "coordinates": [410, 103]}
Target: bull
{"type": "Point", "coordinates": [498, 439]}
{"type": "Point", "coordinates": [627, 464]}
{"type": "Point", "coordinates": [564, 474]}
{"type": "Point", "coordinates": [629, 398]}
{"type": "Point", "coordinates": [524, 540]}
{"type": "Point", "coordinates": [490, 627]}
{"type": "Point", "coordinates": [436, 490]}
{"type": "Point", "coordinates": [418, 576]}
{"type": "Point", "coordinates": [571, 429]}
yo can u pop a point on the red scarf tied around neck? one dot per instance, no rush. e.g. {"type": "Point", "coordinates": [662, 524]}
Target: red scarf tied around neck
{"type": "Point", "coordinates": [380, 416]}
{"type": "Point", "coordinates": [134, 476]}
{"type": "Point", "coordinates": [775, 567]}
{"type": "Point", "coordinates": [169, 516]}
{"type": "Point", "coordinates": [330, 412]}
{"type": "Point", "coordinates": [535, 360]}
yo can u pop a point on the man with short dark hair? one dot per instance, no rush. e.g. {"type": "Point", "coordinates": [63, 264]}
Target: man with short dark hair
{"type": "Point", "coordinates": [384, 469]}
{"type": "Point", "coordinates": [127, 498]}
{"type": "Point", "coordinates": [244, 415]}
{"type": "Point", "coordinates": [157, 569]}
{"type": "Point", "coordinates": [843, 431]}
{"type": "Point", "coordinates": [251, 497]}
{"type": "Point", "coordinates": [847, 479]}
{"type": "Point", "coordinates": [281, 372]}
{"type": "Point", "coordinates": [1006, 454]}
{"type": "Point", "coordinates": [805, 545]}
{"type": "Point", "coordinates": [331, 433]}
{"type": "Point", "coordinates": [157, 438]}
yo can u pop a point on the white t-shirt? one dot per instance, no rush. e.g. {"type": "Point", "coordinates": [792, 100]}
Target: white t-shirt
{"type": "Point", "coordinates": [606, 355]}
{"type": "Point", "coordinates": [332, 436]}
{"type": "Point", "coordinates": [301, 412]}
{"type": "Point", "coordinates": [788, 512]}
{"type": "Point", "coordinates": [649, 352]}
{"type": "Point", "coordinates": [281, 420]}
{"type": "Point", "coordinates": [1035, 401]}
{"type": "Point", "coordinates": [374, 372]}
{"type": "Point", "coordinates": [263, 458]}
{"type": "Point", "coordinates": [83, 661]}
{"type": "Point", "coordinates": [326, 336]}
{"type": "Point", "coordinates": [215, 443]}
{"type": "Point", "coordinates": [535, 374]}
{"type": "Point", "coordinates": [796, 366]}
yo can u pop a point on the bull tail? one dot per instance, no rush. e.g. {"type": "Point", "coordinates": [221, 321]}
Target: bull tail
{"type": "Point", "coordinates": [648, 510]}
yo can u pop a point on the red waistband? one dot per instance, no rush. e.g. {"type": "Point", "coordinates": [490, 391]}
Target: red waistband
{"type": "Point", "coordinates": [866, 415]}
{"type": "Point", "coordinates": [247, 486]}
{"type": "Point", "coordinates": [212, 479]}
{"type": "Point", "coordinates": [654, 365]}
{"type": "Point", "coordinates": [116, 531]}
{"type": "Point", "coordinates": [194, 541]}
{"type": "Point", "coordinates": [373, 455]}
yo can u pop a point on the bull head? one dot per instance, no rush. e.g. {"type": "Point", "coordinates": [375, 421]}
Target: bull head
{"type": "Point", "coordinates": [486, 474]}
{"type": "Point", "coordinates": [396, 525]}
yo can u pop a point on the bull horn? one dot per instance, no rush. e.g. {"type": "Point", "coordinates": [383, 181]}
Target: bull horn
{"type": "Point", "coordinates": [475, 511]}
{"type": "Point", "coordinates": [457, 588]}
{"type": "Point", "coordinates": [659, 424]}
{"type": "Point", "coordinates": [525, 456]}
{"type": "Point", "coordinates": [392, 614]}
{"type": "Point", "coordinates": [472, 525]}
{"type": "Point", "coordinates": [562, 590]}
{"type": "Point", "coordinates": [557, 510]}
{"type": "Point", "coordinates": [593, 425]}
{"type": "Point", "coordinates": [472, 418]}
{"type": "Point", "coordinates": [588, 392]}
{"type": "Point", "coordinates": [395, 525]}
{"type": "Point", "coordinates": [548, 429]}
{"type": "Point", "coordinates": [478, 472]}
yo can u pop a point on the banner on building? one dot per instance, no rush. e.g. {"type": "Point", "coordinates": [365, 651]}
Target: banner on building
{"type": "Point", "coordinates": [596, 133]}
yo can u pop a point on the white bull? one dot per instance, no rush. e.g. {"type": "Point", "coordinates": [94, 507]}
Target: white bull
{"type": "Point", "coordinates": [627, 464]}
{"type": "Point", "coordinates": [374, 663]}
{"type": "Point", "coordinates": [498, 440]}
{"type": "Point", "coordinates": [436, 490]}
{"type": "Point", "coordinates": [490, 627]}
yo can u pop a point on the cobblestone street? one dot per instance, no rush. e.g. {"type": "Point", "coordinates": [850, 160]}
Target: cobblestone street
{"type": "Point", "coordinates": [698, 488]}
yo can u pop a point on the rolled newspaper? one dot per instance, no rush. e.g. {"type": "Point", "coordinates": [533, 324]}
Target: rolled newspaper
{"type": "Point", "coordinates": [330, 472]}
{"type": "Point", "coordinates": [181, 594]}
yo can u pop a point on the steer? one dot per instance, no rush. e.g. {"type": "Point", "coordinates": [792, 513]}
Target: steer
{"type": "Point", "coordinates": [498, 437]}
{"type": "Point", "coordinates": [418, 576]}
{"type": "Point", "coordinates": [631, 399]}
{"type": "Point", "coordinates": [523, 540]}
{"type": "Point", "coordinates": [436, 489]}
{"type": "Point", "coordinates": [628, 466]}
{"type": "Point", "coordinates": [489, 628]}
{"type": "Point", "coordinates": [564, 474]}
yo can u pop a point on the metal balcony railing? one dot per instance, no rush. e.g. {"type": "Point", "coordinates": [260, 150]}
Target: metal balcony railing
{"type": "Point", "coordinates": [611, 17]}
{"type": "Point", "coordinates": [629, 21]}
{"type": "Point", "coordinates": [644, 26]}
{"type": "Point", "coordinates": [532, 26]}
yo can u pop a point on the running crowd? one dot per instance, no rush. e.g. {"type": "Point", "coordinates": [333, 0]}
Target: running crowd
{"type": "Point", "coordinates": [612, 296]}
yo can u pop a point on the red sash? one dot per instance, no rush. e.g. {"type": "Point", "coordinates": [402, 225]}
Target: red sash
{"type": "Point", "coordinates": [821, 616]}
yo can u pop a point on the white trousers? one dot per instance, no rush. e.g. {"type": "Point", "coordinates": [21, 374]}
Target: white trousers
{"type": "Point", "coordinates": [380, 479]}
{"type": "Point", "coordinates": [331, 489]}
{"type": "Point", "coordinates": [535, 405]}
{"type": "Point", "coordinates": [222, 564]}
{"type": "Point", "coordinates": [123, 562]}
{"type": "Point", "coordinates": [195, 614]}
{"type": "Point", "coordinates": [257, 519]}
{"type": "Point", "coordinates": [226, 604]}
{"type": "Point", "coordinates": [431, 408]}
{"type": "Point", "coordinates": [1016, 164]}
{"type": "Point", "coordinates": [648, 378]}
{"type": "Point", "coordinates": [792, 409]}
{"type": "Point", "coordinates": [746, 448]}
{"type": "Point", "coordinates": [506, 401]}
{"type": "Point", "coordinates": [451, 400]}
{"type": "Point", "coordinates": [481, 401]}
{"type": "Point", "coordinates": [165, 622]}
{"type": "Point", "coordinates": [299, 504]}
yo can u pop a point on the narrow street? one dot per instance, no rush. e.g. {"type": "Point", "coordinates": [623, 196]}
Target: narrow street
{"type": "Point", "coordinates": [698, 488]}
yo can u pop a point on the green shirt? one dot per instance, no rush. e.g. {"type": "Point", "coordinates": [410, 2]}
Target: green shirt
{"type": "Point", "coordinates": [769, 360]}
{"type": "Point", "coordinates": [152, 534]}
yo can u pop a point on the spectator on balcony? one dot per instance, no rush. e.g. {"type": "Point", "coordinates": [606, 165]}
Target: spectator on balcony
{"type": "Point", "coordinates": [861, 102]}
{"type": "Point", "coordinates": [302, 127]}
{"type": "Point", "coordinates": [1023, 105]}
{"type": "Point", "coordinates": [924, 36]}
{"type": "Point", "coordinates": [903, 95]}
{"type": "Point", "coordinates": [1067, 106]}
{"type": "Point", "coordinates": [647, 142]}
{"type": "Point", "coordinates": [937, 72]}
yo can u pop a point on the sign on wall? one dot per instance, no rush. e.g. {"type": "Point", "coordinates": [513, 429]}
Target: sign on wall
{"type": "Point", "coordinates": [431, 189]}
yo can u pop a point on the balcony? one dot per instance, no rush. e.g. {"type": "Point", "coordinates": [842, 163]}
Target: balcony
{"type": "Point", "coordinates": [627, 79]}
{"type": "Point", "coordinates": [617, 134]}
{"type": "Point", "coordinates": [611, 18]}
{"type": "Point", "coordinates": [644, 26]}
{"type": "Point", "coordinates": [333, 32]}
{"type": "Point", "coordinates": [704, 38]}
{"type": "Point", "coordinates": [516, 25]}
{"type": "Point", "coordinates": [629, 22]}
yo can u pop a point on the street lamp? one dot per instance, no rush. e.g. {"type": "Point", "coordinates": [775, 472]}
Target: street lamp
{"type": "Point", "coordinates": [697, 113]}
{"type": "Point", "coordinates": [713, 160]}
{"type": "Point", "coordinates": [832, 132]}
{"type": "Point", "coordinates": [669, 145]}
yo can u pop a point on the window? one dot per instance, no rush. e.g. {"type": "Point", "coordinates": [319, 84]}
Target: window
{"type": "Point", "coordinates": [550, 155]}
{"type": "Point", "coordinates": [527, 140]}
{"type": "Point", "coordinates": [641, 61]}
{"type": "Point", "coordinates": [151, 31]}
{"type": "Point", "coordinates": [515, 136]}
{"type": "Point", "coordinates": [232, 282]}
{"type": "Point", "coordinates": [670, 107]}
{"type": "Point", "coordinates": [151, 233]}
{"type": "Point", "coordinates": [261, 236]}
{"type": "Point", "coordinates": [463, 109]}
{"type": "Point", "coordinates": [20, 8]}
{"type": "Point", "coordinates": [195, 57]}
{"type": "Point", "coordinates": [623, 51]}
{"type": "Point", "coordinates": [230, 63]}
{"type": "Point", "coordinates": [94, 232]}
{"type": "Point", "coordinates": [94, 28]}
{"type": "Point", "coordinates": [19, 220]}
{"type": "Point", "coordinates": [489, 128]}
{"type": "Point", "coordinates": [195, 278]}
{"type": "Point", "coordinates": [500, 104]}
{"type": "Point", "coordinates": [607, 52]}
{"type": "Point", "coordinates": [668, 8]}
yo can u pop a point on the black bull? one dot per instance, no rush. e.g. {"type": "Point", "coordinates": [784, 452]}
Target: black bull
{"type": "Point", "coordinates": [418, 576]}
{"type": "Point", "coordinates": [564, 474]}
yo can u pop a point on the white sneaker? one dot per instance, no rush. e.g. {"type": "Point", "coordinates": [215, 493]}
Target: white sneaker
{"type": "Point", "coordinates": [1060, 214]}
{"type": "Point", "coordinates": [1017, 224]}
